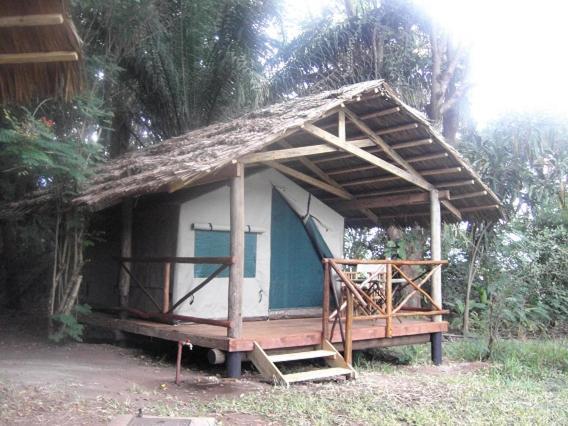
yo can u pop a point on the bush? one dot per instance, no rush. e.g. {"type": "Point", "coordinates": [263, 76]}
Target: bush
{"type": "Point", "coordinates": [67, 325]}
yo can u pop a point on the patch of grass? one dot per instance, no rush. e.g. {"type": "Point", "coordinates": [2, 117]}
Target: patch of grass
{"type": "Point", "coordinates": [468, 350]}
{"type": "Point", "coordinates": [539, 359]}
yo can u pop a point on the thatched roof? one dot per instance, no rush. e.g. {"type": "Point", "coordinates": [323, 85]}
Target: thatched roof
{"type": "Point", "coordinates": [39, 51]}
{"type": "Point", "coordinates": [185, 160]}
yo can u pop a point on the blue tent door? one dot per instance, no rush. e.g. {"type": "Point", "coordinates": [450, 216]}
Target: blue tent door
{"type": "Point", "coordinates": [296, 272]}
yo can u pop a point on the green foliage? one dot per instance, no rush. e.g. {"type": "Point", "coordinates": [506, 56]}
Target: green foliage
{"type": "Point", "coordinates": [388, 41]}
{"type": "Point", "coordinates": [29, 147]}
{"type": "Point", "coordinates": [67, 325]}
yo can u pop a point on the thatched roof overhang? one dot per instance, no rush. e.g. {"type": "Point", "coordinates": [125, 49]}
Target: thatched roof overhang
{"type": "Point", "coordinates": [40, 52]}
{"type": "Point", "coordinates": [299, 137]}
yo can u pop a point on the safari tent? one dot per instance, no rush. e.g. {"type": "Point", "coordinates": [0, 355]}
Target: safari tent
{"type": "Point", "coordinates": [230, 237]}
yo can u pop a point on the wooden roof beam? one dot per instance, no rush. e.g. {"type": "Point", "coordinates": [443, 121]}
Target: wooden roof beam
{"type": "Point", "coordinates": [37, 57]}
{"type": "Point", "coordinates": [294, 153]}
{"type": "Point", "coordinates": [376, 149]}
{"type": "Point", "coordinates": [364, 155]}
{"type": "Point", "coordinates": [31, 20]}
{"type": "Point", "coordinates": [433, 172]}
{"type": "Point", "coordinates": [306, 162]}
{"type": "Point", "coordinates": [455, 183]}
{"type": "Point", "coordinates": [376, 114]}
{"type": "Point", "coordinates": [391, 201]}
{"type": "Point", "coordinates": [477, 208]}
{"type": "Point", "coordinates": [469, 195]}
{"type": "Point", "coordinates": [410, 160]}
{"type": "Point", "coordinates": [375, 136]}
{"type": "Point", "coordinates": [310, 180]}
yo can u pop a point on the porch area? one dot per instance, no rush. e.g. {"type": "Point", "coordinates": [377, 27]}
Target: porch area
{"type": "Point", "coordinates": [276, 334]}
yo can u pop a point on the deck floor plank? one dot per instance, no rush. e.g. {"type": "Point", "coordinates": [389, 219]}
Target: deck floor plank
{"type": "Point", "coordinates": [272, 334]}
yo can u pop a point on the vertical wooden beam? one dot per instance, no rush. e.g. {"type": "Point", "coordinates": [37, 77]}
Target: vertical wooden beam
{"type": "Point", "coordinates": [325, 302]}
{"type": "Point", "coordinates": [236, 273]}
{"type": "Point", "coordinates": [388, 296]}
{"type": "Point", "coordinates": [166, 289]}
{"type": "Point", "coordinates": [125, 251]}
{"type": "Point", "coordinates": [348, 344]}
{"type": "Point", "coordinates": [341, 133]}
{"type": "Point", "coordinates": [436, 247]}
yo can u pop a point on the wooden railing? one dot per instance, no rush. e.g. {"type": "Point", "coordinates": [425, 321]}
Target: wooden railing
{"type": "Point", "coordinates": [165, 311]}
{"type": "Point", "coordinates": [383, 294]}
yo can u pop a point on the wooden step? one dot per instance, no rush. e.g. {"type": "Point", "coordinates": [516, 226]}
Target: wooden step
{"type": "Point", "coordinates": [295, 356]}
{"type": "Point", "coordinates": [323, 373]}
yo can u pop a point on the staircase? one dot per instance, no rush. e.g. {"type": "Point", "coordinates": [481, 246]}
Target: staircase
{"type": "Point", "coordinates": [267, 365]}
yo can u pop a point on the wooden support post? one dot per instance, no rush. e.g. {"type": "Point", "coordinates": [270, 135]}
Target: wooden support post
{"type": "Point", "coordinates": [125, 251]}
{"type": "Point", "coordinates": [436, 248]}
{"type": "Point", "coordinates": [236, 274]}
{"type": "Point", "coordinates": [166, 290]}
{"type": "Point", "coordinates": [348, 344]}
{"type": "Point", "coordinates": [325, 304]}
{"type": "Point", "coordinates": [388, 296]}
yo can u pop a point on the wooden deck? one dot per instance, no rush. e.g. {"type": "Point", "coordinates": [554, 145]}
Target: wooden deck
{"type": "Point", "coordinates": [275, 334]}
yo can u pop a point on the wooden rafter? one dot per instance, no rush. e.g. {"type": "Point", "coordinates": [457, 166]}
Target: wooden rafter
{"type": "Point", "coordinates": [390, 201]}
{"type": "Point", "coordinates": [364, 155]}
{"type": "Point", "coordinates": [375, 114]}
{"type": "Point", "coordinates": [469, 195]}
{"type": "Point", "coordinates": [375, 149]}
{"type": "Point", "coordinates": [309, 180]}
{"type": "Point", "coordinates": [369, 167]}
{"type": "Point", "coordinates": [31, 20]}
{"type": "Point", "coordinates": [375, 137]}
{"type": "Point", "coordinates": [431, 172]}
{"type": "Point", "coordinates": [319, 172]}
{"type": "Point", "coordinates": [455, 183]}
{"type": "Point", "coordinates": [38, 57]}
{"type": "Point", "coordinates": [477, 208]}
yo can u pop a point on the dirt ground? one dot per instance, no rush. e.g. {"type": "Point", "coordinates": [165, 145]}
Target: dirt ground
{"type": "Point", "coordinates": [42, 382]}
{"type": "Point", "coordinates": [89, 383]}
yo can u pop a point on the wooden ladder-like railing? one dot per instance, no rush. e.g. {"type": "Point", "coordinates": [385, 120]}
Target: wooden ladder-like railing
{"type": "Point", "coordinates": [380, 295]}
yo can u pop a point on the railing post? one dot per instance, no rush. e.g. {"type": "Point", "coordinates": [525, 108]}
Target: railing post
{"type": "Point", "coordinates": [348, 344]}
{"type": "Point", "coordinates": [166, 290]}
{"type": "Point", "coordinates": [325, 302]}
{"type": "Point", "coordinates": [388, 296]}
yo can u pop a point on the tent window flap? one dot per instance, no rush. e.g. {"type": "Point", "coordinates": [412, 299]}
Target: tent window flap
{"type": "Point", "coordinates": [217, 243]}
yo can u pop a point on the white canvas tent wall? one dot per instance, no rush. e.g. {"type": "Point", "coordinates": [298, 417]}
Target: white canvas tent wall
{"type": "Point", "coordinates": [213, 207]}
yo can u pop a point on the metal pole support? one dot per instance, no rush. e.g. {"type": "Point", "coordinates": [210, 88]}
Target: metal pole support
{"type": "Point", "coordinates": [181, 344]}
{"type": "Point", "coordinates": [436, 348]}
{"type": "Point", "coordinates": [233, 364]}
